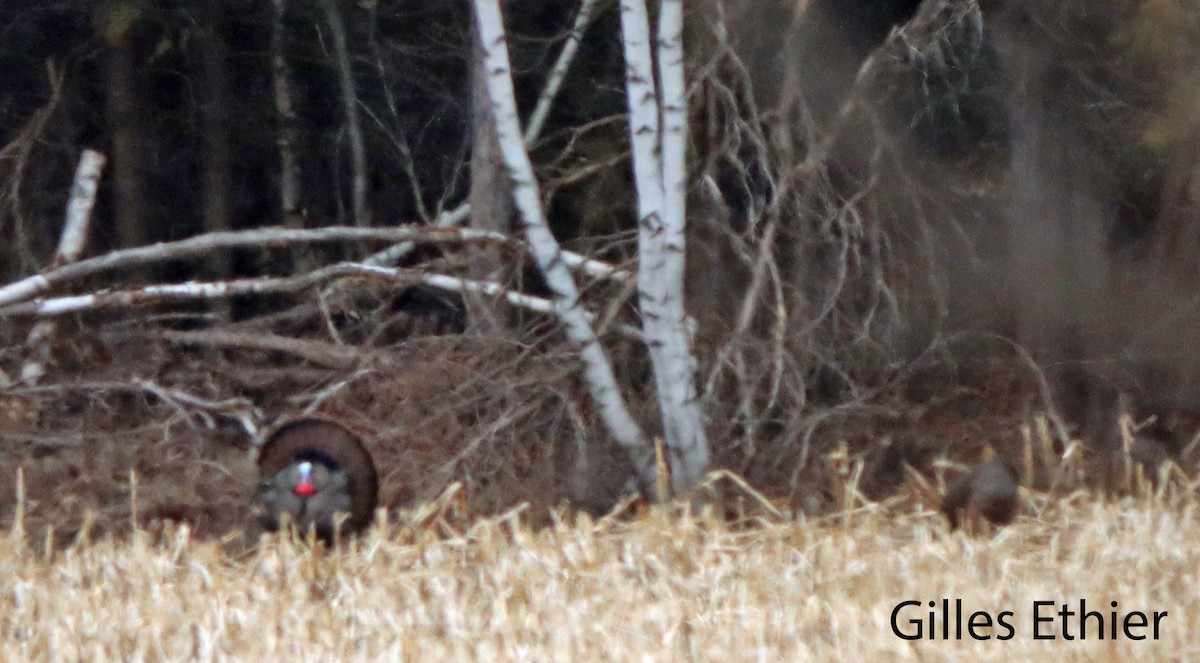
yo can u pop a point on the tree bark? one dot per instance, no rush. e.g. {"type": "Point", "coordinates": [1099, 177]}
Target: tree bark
{"type": "Point", "coordinates": [598, 373]}
{"type": "Point", "coordinates": [70, 248]}
{"type": "Point", "coordinates": [537, 119]}
{"type": "Point", "coordinates": [125, 125]}
{"type": "Point", "coordinates": [214, 116]}
{"type": "Point", "coordinates": [490, 198]}
{"type": "Point", "coordinates": [658, 134]}
{"type": "Point", "coordinates": [285, 110]}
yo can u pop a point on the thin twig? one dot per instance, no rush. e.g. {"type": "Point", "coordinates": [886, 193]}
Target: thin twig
{"type": "Point", "coordinates": [240, 409]}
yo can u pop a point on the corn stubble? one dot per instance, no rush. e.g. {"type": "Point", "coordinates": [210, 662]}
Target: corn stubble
{"type": "Point", "coordinates": [665, 586]}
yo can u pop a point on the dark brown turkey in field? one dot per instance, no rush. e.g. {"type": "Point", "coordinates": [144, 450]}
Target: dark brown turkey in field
{"type": "Point", "coordinates": [988, 492]}
{"type": "Point", "coordinates": [316, 472]}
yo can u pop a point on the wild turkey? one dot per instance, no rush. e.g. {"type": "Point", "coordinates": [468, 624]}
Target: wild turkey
{"type": "Point", "coordinates": [313, 470]}
{"type": "Point", "coordinates": [987, 492]}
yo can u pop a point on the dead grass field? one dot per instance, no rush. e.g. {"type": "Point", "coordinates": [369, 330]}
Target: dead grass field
{"type": "Point", "coordinates": [661, 587]}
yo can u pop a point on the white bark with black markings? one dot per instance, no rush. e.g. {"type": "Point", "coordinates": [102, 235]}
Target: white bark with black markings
{"type": "Point", "coordinates": [264, 238]}
{"type": "Point", "coordinates": [658, 135]}
{"type": "Point", "coordinates": [537, 119]}
{"type": "Point", "coordinates": [598, 371]}
{"type": "Point", "coordinates": [70, 247]}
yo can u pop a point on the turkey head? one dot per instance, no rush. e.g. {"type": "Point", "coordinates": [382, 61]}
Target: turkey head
{"type": "Point", "coordinates": [316, 472]}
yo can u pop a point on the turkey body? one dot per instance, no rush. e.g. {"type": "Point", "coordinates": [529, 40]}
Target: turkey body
{"type": "Point", "coordinates": [989, 492]}
{"type": "Point", "coordinates": [316, 473]}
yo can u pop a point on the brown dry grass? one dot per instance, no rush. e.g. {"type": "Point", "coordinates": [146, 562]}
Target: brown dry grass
{"type": "Point", "coordinates": [662, 587]}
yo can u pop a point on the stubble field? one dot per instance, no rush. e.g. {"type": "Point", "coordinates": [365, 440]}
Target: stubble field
{"type": "Point", "coordinates": [659, 586]}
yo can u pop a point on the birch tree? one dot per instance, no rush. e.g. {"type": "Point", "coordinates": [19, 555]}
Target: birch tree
{"type": "Point", "coordinates": [658, 135]}
{"type": "Point", "coordinates": [615, 414]}
{"type": "Point", "coordinates": [70, 247]}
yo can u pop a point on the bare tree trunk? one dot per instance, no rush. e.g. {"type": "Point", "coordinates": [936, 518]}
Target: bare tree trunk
{"type": "Point", "coordinates": [490, 198]}
{"type": "Point", "coordinates": [214, 115]}
{"type": "Point", "coordinates": [126, 129]}
{"type": "Point", "coordinates": [358, 151]}
{"type": "Point", "coordinates": [289, 168]}
{"type": "Point", "coordinates": [658, 133]}
{"type": "Point", "coordinates": [70, 248]}
{"type": "Point", "coordinates": [597, 370]}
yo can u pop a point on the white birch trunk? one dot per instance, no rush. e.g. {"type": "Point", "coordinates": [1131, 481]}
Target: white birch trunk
{"type": "Point", "coordinates": [658, 135]}
{"type": "Point", "coordinates": [546, 251]}
{"type": "Point", "coordinates": [70, 247]}
{"type": "Point", "coordinates": [79, 208]}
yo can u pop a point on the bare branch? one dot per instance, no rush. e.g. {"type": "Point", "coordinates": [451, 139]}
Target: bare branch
{"type": "Point", "coordinates": [20, 150]}
{"type": "Point", "coordinates": [324, 354]}
{"type": "Point", "coordinates": [521, 300]}
{"type": "Point", "coordinates": [492, 289]}
{"type": "Point", "coordinates": [537, 119]}
{"type": "Point", "coordinates": [392, 254]}
{"type": "Point", "coordinates": [596, 269]}
{"type": "Point", "coordinates": [159, 294]}
{"type": "Point", "coordinates": [150, 295]}
{"type": "Point", "coordinates": [240, 409]}
{"type": "Point", "coordinates": [201, 245]}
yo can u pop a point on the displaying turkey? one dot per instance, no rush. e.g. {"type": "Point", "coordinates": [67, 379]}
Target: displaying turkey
{"type": "Point", "coordinates": [316, 473]}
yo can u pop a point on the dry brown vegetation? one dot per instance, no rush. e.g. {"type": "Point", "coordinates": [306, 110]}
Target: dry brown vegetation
{"type": "Point", "coordinates": [663, 586]}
